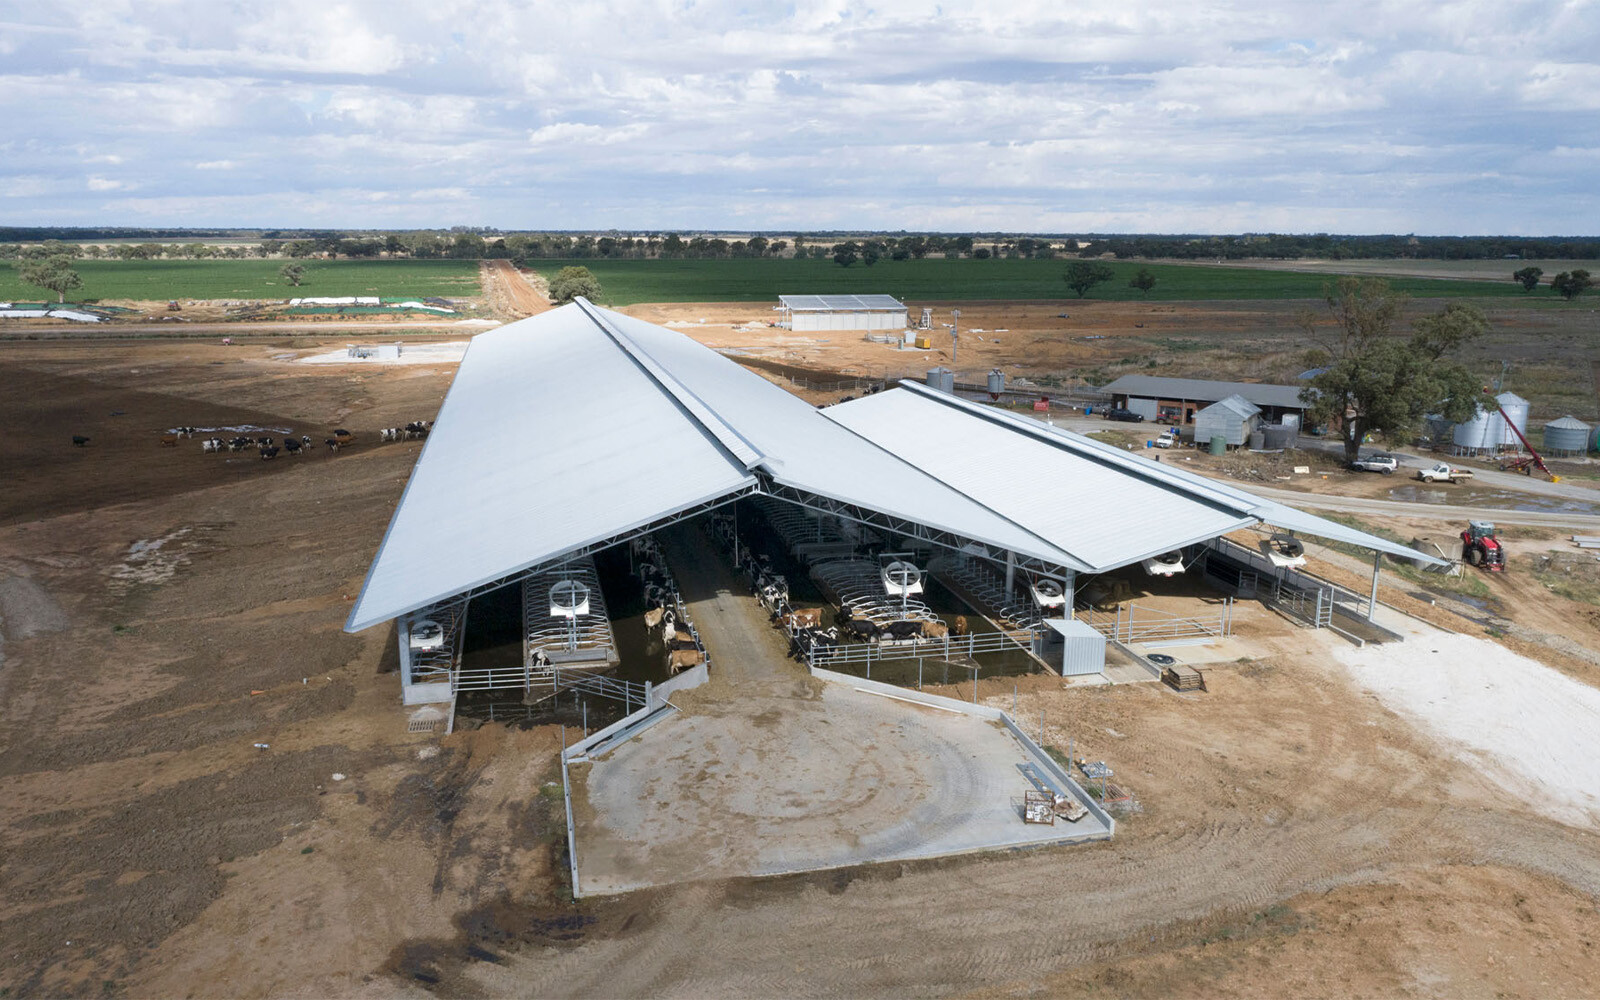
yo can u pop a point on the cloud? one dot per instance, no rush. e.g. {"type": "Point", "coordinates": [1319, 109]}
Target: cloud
{"type": "Point", "coordinates": [1032, 115]}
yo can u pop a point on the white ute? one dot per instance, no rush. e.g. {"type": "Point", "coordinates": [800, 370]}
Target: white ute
{"type": "Point", "coordinates": [1443, 472]}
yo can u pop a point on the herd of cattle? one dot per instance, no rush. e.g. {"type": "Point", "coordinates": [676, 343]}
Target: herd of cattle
{"type": "Point", "coordinates": [664, 607]}
{"type": "Point", "coordinates": [269, 447]}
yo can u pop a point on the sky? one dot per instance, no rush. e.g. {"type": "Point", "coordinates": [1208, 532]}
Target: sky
{"type": "Point", "coordinates": [1073, 116]}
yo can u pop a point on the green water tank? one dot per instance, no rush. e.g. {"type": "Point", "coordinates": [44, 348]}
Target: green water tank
{"type": "Point", "coordinates": [1219, 445]}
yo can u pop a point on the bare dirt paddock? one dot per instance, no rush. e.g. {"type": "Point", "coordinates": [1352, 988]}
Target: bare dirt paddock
{"type": "Point", "coordinates": [1295, 836]}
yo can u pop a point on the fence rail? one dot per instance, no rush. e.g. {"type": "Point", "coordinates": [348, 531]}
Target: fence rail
{"type": "Point", "coordinates": [1146, 624]}
{"type": "Point", "coordinates": [549, 683]}
{"type": "Point", "coordinates": [946, 648]}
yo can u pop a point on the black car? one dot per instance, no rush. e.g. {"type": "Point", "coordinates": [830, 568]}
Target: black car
{"type": "Point", "coordinates": [1127, 416]}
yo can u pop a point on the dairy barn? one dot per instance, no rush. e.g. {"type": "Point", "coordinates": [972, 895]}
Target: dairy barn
{"type": "Point", "coordinates": [802, 313]}
{"type": "Point", "coordinates": [608, 513]}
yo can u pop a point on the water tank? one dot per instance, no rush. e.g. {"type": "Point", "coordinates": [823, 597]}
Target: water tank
{"type": "Point", "coordinates": [942, 378]}
{"type": "Point", "coordinates": [1279, 436]}
{"type": "Point", "coordinates": [1569, 436]}
{"type": "Point", "coordinates": [997, 382]}
{"type": "Point", "coordinates": [1258, 440]}
{"type": "Point", "coordinates": [1219, 445]}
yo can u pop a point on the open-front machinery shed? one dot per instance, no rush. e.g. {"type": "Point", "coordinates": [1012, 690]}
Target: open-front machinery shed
{"type": "Point", "coordinates": [582, 428]}
{"type": "Point", "coordinates": [841, 312]}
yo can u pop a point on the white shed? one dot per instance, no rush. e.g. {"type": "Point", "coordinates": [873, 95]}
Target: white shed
{"type": "Point", "coordinates": [841, 312]}
{"type": "Point", "coordinates": [1231, 419]}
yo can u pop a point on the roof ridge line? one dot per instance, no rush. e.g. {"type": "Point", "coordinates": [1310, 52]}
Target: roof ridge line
{"type": "Point", "coordinates": [709, 420]}
{"type": "Point", "coordinates": [1172, 478]}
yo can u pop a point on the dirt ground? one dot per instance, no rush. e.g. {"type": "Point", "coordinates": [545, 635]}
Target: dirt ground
{"type": "Point", "coordinates": [163, 611]}
{"type": "Point", "coordinates": [1067, 341]}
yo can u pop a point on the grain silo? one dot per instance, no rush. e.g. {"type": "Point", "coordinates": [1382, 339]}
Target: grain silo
{"type": "Point", "coordinates": [1487, 432]}
{"type": "Point", "coordinates": [1567, 436]}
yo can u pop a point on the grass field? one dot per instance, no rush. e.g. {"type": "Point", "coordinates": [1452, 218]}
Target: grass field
{"type": "Point", "coordinates": [255, 279]}
{"type": "Point", "coordinates": [629, 281]}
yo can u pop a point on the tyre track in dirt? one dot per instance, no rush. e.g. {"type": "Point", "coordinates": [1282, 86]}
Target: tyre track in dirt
{"type": "Point", "coordinates": [1364, 805]}
{"type": "Point", "coordinates": [511, 291]}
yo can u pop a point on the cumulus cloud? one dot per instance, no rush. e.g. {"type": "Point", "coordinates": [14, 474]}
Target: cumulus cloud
{"type": "Point", "coordinates": [1031, 115]}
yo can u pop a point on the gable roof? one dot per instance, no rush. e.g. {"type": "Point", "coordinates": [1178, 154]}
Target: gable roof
{"type": "Point", "coordinates": [1236, 404]}
{"type": "Point", "coordinates": [1115, 509]}
{"type": "Point", "coordinates": [580, 425]}
{"type": "Point", "coordinates": [1200, 390]}
{"type": "Point", "coordinates": [568, 428]}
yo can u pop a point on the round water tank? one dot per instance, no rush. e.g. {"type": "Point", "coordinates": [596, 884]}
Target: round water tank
{"type": "Point", "coordinates": [1568, 435]}
{"type": "Point", "coordinates": [997, 381]}
{"type": "Point", "coordinates": [1219, 445]}
{"type": "Point", "coordinates": [1278, 436]}
{"type": "Point", "coordinates": [942, 378]}
{"type": "Point", "coordinates": [1516, 410]}
{"type": "Point", "coordinates": [1258, 440]}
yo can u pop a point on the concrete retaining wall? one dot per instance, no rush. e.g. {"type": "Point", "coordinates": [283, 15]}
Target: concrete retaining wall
{"type": "Point", "coordinates": [691, 678]}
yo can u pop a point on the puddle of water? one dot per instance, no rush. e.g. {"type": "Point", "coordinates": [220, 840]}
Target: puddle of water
{"type": "Point", "coordinates": [1501, 499]}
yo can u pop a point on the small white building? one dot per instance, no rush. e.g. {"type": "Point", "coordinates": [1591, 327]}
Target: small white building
{"type": "Point", "coordinates": [841, 312]}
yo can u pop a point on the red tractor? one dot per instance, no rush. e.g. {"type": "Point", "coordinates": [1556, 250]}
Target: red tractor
{"type": "Point", "coordinates": [1480, 548]}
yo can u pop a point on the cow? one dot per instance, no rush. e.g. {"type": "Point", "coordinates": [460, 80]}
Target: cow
{"type": "Point", "coordinates": [269, 451]}
{"type": "Point", "coordinates": [332, 443]}
{"type": "Point", "coordinates": [80, 441]}
{"type": "Point", "coordinates": [291, 445]}
{"type": "Point", "coordinates": [212, 444]}
{"type": "Point", "coordinates": [169, 440]}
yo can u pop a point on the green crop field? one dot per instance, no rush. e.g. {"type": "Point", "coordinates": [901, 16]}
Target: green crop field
{"type": "Point", "coordinates": [255, 279]}
{"type": "Point", "coordinates": [625, 282]}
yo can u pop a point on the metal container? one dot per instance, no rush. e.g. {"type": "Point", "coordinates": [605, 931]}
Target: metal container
{"type": "Point", "coordinates": [997, 382]}
{"type": "Point", "coordinates": [1475, 434]}
{"type": "Point", "coordinates": [1280, 436]}
{"type": "Point", "coordinates": [1258, 440]}
{"type": "Point", "coordinates": [1083, 648]}
{"type": "Point", "coordinates": [942, 378]}
{"type": "Point", "coordinates": [1567, 436]}
{"type": "Point", "coordinates": [1516, 411]}
{"type": "Point", "coordinates": [1219, 445]}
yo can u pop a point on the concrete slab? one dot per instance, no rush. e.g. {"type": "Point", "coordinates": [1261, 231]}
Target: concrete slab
{"type": "Point", "coordinates": [770, 785]}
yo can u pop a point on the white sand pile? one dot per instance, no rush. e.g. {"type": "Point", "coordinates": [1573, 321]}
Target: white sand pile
{"type": "Point", "coordinates": [1533, 730]}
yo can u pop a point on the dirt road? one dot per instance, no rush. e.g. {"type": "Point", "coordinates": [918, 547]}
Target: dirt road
{"type": "Point", "coordinates": [511, 291]}
{"type": "Point", "coordinates": [1441, 512]}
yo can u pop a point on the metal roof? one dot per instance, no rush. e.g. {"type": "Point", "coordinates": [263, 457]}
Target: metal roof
{"type": "Point", "coordinates": [1069, 454]}
{"type": "Point", "coordinates": [1568, 422]}
{"type": "Point", "coordinates": [1092, 509]}
{"type": "Point", "coordinates": [841, 303]}
{"type": "Point", "coordinates": [571, 427]}
{"type": "Point", "coordinates": [1163, 387]}
{"type": "Point", "coordinates": [1235, 404]}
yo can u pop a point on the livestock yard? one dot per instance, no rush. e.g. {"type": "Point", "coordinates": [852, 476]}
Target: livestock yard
{"type": "Point", "coordinates": [655, 718]}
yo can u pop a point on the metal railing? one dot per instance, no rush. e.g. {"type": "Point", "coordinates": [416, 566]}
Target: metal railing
{"type": "Point", "coordinates": [542, 684]}
{"type": "Point", "coordinates": [1146, 624]}
{"type": "Point", "coordinates": [951, 648]}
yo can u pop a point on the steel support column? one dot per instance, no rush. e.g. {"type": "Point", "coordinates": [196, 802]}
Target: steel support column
{"type": "Point", "coordinates": [1372, 603]}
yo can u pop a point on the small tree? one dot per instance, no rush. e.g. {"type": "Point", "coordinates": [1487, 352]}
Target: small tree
{"type": "Point", "coordinates": [571, 282]}
{"type": "Point", "coordinates": [1529, 277]}
{"type": "Point", "coordinates": [1143, 281]}
{"type": "Point", "coordinates": [1570, 284]}
{"type": "Point", "coordinates": [54, 273]}
{"type": "Point", "coordinates": [1083, 275]}
{"type": "Point", "coordinates": [293, 273]}
{"type": "Point", "coordinates": [843, 257]}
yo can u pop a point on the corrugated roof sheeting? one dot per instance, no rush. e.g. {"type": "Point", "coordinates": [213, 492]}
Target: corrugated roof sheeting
{"type": "Point", "coordinates": [1165, 387]}
{"type": "Point", "coordinates": [841, 303]}
{"type": "Point", "coordinates": [527, 461]}
{"type": "Point", "coordinates": [802, 448]}
{"type": "Point", "coordinates": [1091, 509]}
{"type": "Point", "coordinates": [1268, 511]}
